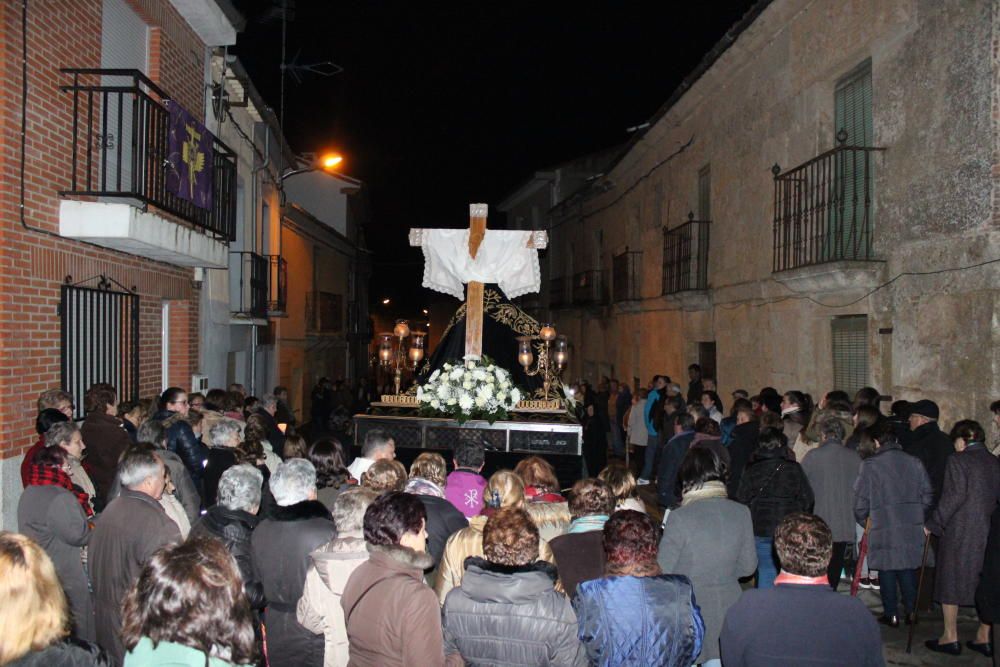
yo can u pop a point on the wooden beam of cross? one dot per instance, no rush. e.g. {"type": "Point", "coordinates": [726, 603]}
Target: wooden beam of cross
{"type": "Point", "coordinates": [474, 292]}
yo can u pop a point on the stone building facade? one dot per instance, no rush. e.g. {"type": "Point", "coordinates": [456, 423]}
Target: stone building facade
{"type": "Point", "coordinates": [813, 208]}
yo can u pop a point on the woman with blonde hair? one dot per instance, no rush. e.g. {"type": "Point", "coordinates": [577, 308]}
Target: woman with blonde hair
{"type": "Point", "coordinates": [34, 616]}
{"type": "Point", "coordinates": [385, 475]}
{"type": "Point", "coordinates": [505, 489]}
{"type": "Point", "coordinates": [428, 479]}
{"type": "Point", "coordinates": [622, 484]}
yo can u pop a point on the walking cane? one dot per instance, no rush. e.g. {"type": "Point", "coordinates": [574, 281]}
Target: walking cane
{"type": "Point", "coordinates": [862, 553]}
{"type": "Point", "coordinates": [920, 588]}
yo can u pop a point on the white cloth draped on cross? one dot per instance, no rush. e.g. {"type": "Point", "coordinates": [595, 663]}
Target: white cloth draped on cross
{"type": "Point", "coordinates": [475, 256]}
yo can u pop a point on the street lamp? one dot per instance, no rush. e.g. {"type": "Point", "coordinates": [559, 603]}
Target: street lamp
{"type": "Point", "coordinates": [312, 162]}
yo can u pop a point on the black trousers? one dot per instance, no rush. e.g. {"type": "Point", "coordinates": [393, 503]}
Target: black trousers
{"type": "Point", "coordinates": [836, 563]}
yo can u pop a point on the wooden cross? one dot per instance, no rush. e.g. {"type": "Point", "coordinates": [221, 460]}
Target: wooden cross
{"type": "Point", "coordinates": [474, 293]}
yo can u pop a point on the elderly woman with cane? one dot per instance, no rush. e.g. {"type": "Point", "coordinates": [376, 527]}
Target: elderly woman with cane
{"type": "Point", "coordinates": [962, 522]}
{"type": "Point", "coordinates": [894, 491]}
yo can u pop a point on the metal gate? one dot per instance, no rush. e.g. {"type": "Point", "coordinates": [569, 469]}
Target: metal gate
{"type": "Point", "coordinates": [100, 340]}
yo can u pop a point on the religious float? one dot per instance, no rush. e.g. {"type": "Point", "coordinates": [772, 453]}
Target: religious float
{"type": "Point", "coordinates": [495, 375]}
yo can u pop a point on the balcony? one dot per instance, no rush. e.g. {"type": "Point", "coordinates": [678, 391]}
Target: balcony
{"type": "Point", "coordinates": [685, 256]}
{"type": "Point", "coordinates": [587, 289]}
{"type": "Point", "coordinates": [625, 272]}
{"type": "Point", "coordinates": [138, 185]}
{"type": "Point", "coordinates": [823, 210]}
{"type": "Point", "coordinates": [558, 292]}
{"type": "Point", "coordinates": [277, 284]}
{"type": "Point", "coordinates": [248, 285]}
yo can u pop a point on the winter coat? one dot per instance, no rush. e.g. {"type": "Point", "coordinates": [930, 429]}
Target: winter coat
{"type": "Point", "coordinates": [169, 654]}
{"type": "Point", "coordinates": [773, 487]}
{"type": "Point", "coordinates": [637, 432]}
{"type": "Point", "coordinates": [52, 517]}
{"type": "Point", "coordinates": [988, 592]}
{"type": "Point", "coordinates": [962, 522]}
{"type": "Point", "coordinates": [328, 494]}
{"type": "Point", "coordinates": [274, 434]}
{"type": "Point", "coordinates": [464, 489]}
{"type": "Point", "coordinates": [832, 470]}
{"type": "Point", "coordinates": [281, 545]}
{"type": "Point", "coordinates": [131, 529]}
{"type": "Point", "coordinates": [711, 542]}
{"type": "Point", "coordinates": [469, 542]}
{"type": "Point", "coordinates": [518, 605]}
{"type": "Point", "coordinates": [639, 621]}
{"type": "Point", "coordinates": [184, 489]}
{"type": "Point", "coordinates": [233, 528]}
{"type": "Point", "coordinates": [69, 652]}
{"type": "Point", "coordinates": [811, 432]}
{"type": "Point", "coordinates": [580, 557]}
{"type": "Point", "coordinates": [106, 441]}
{"type": "Point", "coordinates": [217, 461]}
{"type": "Point", "coordinates": [443, 521]}
{"type": "Point", "coordinates": [392, 617]}
{"type": "Point", "coordinates": [933, 447]}
{"type": "Point", "coordinates": [552, 518]}
{"type": "Point", "coordinates": [182, 441]}
{"type": "Point", "coordinates": [791, 625]}
{"type": "Point", "coordinates": [894, 490]}
{"type": "Point", "coordinates": [741, 450]}
{"type": "Point", "coordinates": [319, 609]}
{"type": "Point", "coordinates": [792, 424]}
{"type": "Point", "coordinates": [670, 462]}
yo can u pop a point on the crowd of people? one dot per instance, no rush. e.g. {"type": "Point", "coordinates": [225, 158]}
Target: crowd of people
{"type": "Point", "coordinates": [140, 544]}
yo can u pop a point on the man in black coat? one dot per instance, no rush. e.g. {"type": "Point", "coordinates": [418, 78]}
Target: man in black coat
{"type": "Point", "coordinates": [670, 460]}
{"type": "Point", "coordinates": [928, 442]}
{"type": "Point", "coordinates": [268, 408]}
{"type": "Point", "coordinates": [988, 593]}
{"type": "Point", "coordinates": [742, 447]}
{"type": "Point", "coordinates": [281, 545]}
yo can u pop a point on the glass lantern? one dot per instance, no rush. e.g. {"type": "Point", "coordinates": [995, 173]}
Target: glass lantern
{"type": "Point", "coordinates": [417, 344]}
{"type": "Point", "coordinates": [547, 332]}
{"type": "Point", "coordinates": [402, 329]}
{"type": "Point", "coordinates": [525, 356]}
{"type": "Point", "coordinates": [561, 353]}
{"type": "Point", "coordinates": [385, 349]}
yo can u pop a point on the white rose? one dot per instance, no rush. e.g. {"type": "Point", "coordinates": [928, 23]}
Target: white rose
{"type": "Point", "coordinates": [435, 404]}
{"type": "Point", "coordinates": [504, 384]}
{"type": "Point", "coordinates": [465, 402]}
{"type": "Point", "coordinates": [467, 385]}
{"type": "Point", "coordinates": [452, 401]}
{"type": "Point", "coordinates": [480, 401]}
{"type": "Point", "coordinates": [502, 396]}
{"type": "Point", "coordinates": [435, 375]}
{"type": "Point", "coordinates": [515, 396]}
{"type": "Point", "coordinates": [491, 368]}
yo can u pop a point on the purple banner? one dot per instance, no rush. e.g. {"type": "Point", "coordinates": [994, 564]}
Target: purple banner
{"type": "Point", "coordinates": [190, 156]}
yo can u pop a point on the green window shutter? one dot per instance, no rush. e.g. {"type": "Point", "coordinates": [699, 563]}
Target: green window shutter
{"type": "Point", "coordinates": [850, 352]}
{"type": "Point", "coordinates": [849, 231]}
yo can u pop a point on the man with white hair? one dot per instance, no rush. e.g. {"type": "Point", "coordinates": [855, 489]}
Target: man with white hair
{"type": "Point", "coordinates": [233, 520]}
{"type": "Point", "coordinates": [266, 409]}
{"type": "Point", "coordinates": [378, 445]}
{"type": "Point", "coordinates": [281, 545]}
{"type": "Point", "coordinates": [132, 527]}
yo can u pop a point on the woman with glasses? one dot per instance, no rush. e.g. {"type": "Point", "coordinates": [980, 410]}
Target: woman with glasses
{"type": "Point", "coordinates": [180, 436]}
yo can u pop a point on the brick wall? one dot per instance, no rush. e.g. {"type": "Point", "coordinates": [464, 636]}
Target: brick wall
{"type": "Point", "coordinates": [33, 265]}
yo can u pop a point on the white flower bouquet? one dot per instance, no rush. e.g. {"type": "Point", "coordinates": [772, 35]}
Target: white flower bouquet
{"type": "Point", "coordinates": [475, 389]}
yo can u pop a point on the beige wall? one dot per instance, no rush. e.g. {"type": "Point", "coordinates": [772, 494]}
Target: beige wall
{"type": "Point", "coordinates": [767, 100]}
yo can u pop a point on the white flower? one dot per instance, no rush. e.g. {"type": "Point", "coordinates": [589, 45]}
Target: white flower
{"type": "Point", "coordinates": [435, 403]}
{"type": "Point", "coordinates": [456, 374]}
{"type": "Point", "coordinates": [452, 401]}
{"type": "Point", "coordinates": [434, 376]}
{"type": "Point", "coordinates": [465, 402]}
{"type": "Point", "coordinates": [480, 401]}
{"type": "Point", "coordinates": [478, 374]}
{"type": "Point", "coordinates": [515, 396]}
{"type": "Point", "coordinates": [467, 385]}
{"type": "Point", "coordinates": [485, 390]}
{"type": "Point", "coordinates": [420, 393]}
{"type": "Point", "coordinates": [444, 391]}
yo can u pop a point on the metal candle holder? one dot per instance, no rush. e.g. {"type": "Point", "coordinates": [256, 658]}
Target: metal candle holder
{"type": "Point", "coordinates": [547, 358]}
{"type": "Point", "coordinates": [396, 355]}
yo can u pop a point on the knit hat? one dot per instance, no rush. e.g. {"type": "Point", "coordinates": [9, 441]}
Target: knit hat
{"type": "Point", "coordinates": [925, 408]}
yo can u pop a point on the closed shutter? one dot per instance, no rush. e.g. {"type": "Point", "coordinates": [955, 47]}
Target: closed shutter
{"type": "Point", "coordinates": [124, 45]}
{"type": "Point", "coordinates": [853, 181]}
{"type": "Point", "coordinates": [850, 352]}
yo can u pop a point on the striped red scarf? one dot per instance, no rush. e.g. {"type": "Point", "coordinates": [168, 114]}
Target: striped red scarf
{"type": "Point", "coordinates": [43, 475]}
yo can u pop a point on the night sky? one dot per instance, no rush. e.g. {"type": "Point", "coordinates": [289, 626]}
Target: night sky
{"type": "Point", "coordinates": [443, 104]}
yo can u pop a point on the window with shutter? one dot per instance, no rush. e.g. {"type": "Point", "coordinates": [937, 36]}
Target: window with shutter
{"type": "Point", "coordinates": [850, 352]}
{"type": "Point", "coordinates": [852, 183]}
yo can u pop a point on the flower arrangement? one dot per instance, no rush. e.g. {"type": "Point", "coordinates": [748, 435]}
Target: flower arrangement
{"type": "Point", "coordinates": [475, 389]}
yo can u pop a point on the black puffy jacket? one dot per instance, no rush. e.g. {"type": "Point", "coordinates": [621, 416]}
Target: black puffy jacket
{"type": "Point", "coordinates": [69, 652]}
{"type": "Point", "coordinates": [233, 528]}
{"type": "Point", "coordinates": [773, 487]}
{"type": "Point", "coordinates": [182, 440]}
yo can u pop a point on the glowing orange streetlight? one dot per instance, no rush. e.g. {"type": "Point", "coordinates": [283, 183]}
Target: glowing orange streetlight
{"type": "Point", "coordinates": [331, 160]}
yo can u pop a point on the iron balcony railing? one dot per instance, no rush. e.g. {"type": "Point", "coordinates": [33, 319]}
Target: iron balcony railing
{"type": "Point", "coordinates": [120, 149]}
{"type": "Point", "coordinates": [625, 272]}
{"type": "Point", "coordinates": [248, 284]}
{"type": "Point", "coordinates": [587, 288]}
{"type": "Point", "coordinates": [685, 256]}
{"type": "Point", "coordinates": [277, 283]}
{"type": "Point", "coordinates": [823, 209]}
{"type": "Point", "coordinates": [558, 292]}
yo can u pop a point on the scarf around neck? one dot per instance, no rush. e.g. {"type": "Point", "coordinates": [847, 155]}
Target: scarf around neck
{"type": "Point", "coordinates": [43, 475]}
{"type": "Point", "coordinates": [713, 489]}
{"type": "Point", "coordinates": [585, 524]}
